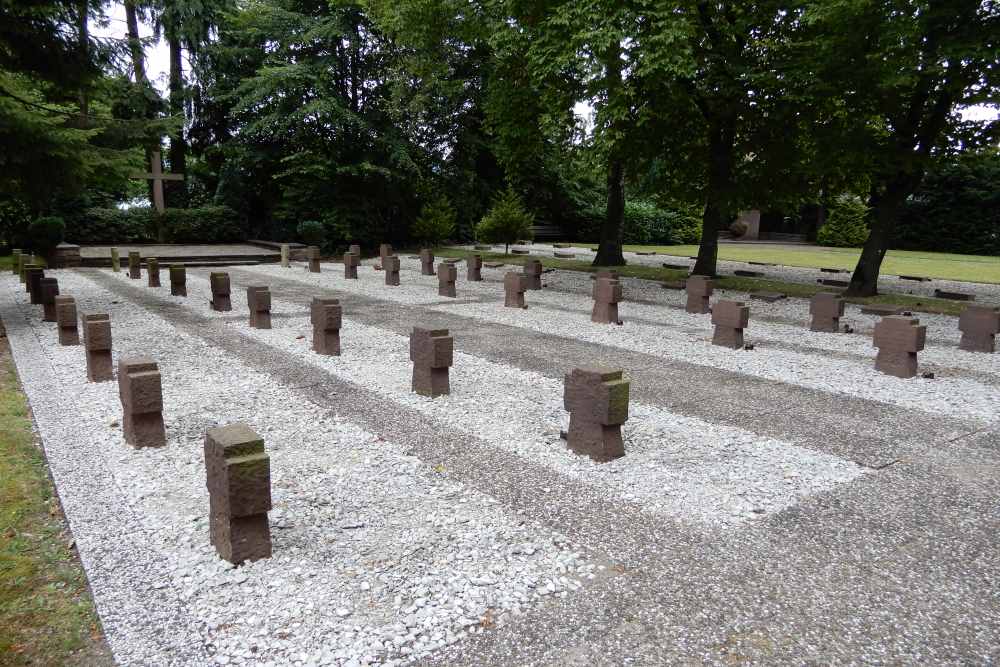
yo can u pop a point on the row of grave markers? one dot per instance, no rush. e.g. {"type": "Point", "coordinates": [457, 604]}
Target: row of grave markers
{"type": "Point", "coordinates": [236, 462]}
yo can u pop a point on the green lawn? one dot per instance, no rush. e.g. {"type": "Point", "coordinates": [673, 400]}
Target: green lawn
{"type": "Point", "coordinates": [946, 266]}
{"type": "Point", "coordinates": [46, 613]}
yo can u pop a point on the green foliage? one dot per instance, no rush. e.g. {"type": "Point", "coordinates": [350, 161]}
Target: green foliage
{"type": "Point", "coordinates": [312, 232]}
{"type": "Point", "coordinates": [436, 222]}
{"type": "Point", "coordinates": [645, 224]}
{"type": "Point", "coordinates": [507, 220]}
{"type": "Point", "coordinates": [956, 209]}
{"type": "Point", "coordinates": [209, 224]}
{"type": "Point", "coordinates": [46, 233]}
{"type": "Point", "coordinates": [846, 223]}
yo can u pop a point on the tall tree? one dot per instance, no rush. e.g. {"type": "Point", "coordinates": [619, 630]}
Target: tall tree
{"type": "Point", "coordinates": [903, 71]}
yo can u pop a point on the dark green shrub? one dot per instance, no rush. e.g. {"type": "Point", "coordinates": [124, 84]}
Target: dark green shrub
{"type": "Point", "coordinates": [846, 223]}
{"type": "Point", "coordinates": [506, 222]}
{"type": "Point", "coordinates": [45, 233]}
{"type": "Point", "coordinates": [645, 224]}
{"type": "Point", "coordinates": [436, 222]}
{"type": "Point", "coordinates": [209, 224]}
{"type": "Point", "coordinates": [312, 232]}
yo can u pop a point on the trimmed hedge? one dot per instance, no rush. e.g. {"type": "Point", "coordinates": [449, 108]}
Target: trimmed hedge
{"type": "Point", "coordinates": [210, 224]}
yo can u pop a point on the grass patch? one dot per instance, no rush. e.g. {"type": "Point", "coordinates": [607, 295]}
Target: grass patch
{"type": "Point", "coordinates": [46, 613]}
{"type": "Point", "coordinates": [941, 265]}
{"type": "Point", "coordinates": [737, 283]}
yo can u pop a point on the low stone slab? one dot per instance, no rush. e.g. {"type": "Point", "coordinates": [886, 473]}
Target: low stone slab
{"type": "Point", "coordinates": [452, 260]}
{"type": "Point", "coordinates": [748, 274]}
{"type": "Point", "coordinates": [564, 255]}
{"type": "Point", "coordinates": [238, 477]}
{"type": "Point", "coordinates": [761, 263]}
{"type": "Point", "coordinates": [561, 245]}
{"type": "Point", "coordinates": [520, 251]}
{"type": "Point", "coordinates": [483, 247]}
{"type": "Point", "coordinates": [919, 279]}
{"type": "Point", "coordinates": [645, 253]}
{"type": "Point", "coordinates": [597, 401]}
{"type": "Point", "coordinates": [832, 270]}
{"type": "Point", "coordinates": [769, 297]}
{"type": "Point", "coordinates": [954, 296]}
{"type": "Point", "coordinates": [432, 352]}
{"type": "Point", "coordinates": [829, 282]}
{"type": "Point", "coordinates": [881, 309]}
{"type": "Point", "coordinates": [493, 265]}
{"type": "Point", "coordinates": [677, 267]}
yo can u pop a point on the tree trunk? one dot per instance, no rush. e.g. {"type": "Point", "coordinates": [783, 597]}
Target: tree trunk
{"type": "Point", "coordinates": [134, 43]}
{"type": "Point", "coordinates": [83, 34]}
{"type": "Point", "coordinates": [176, 192]}
{"type": "Point", "coordinates": [885, 204]}
{"type": "Point", "coordinates": [717, 195]}
{"type": "Point", "coordinates": [609, 252]}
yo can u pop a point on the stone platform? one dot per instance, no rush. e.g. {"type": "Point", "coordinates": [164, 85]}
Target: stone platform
{"type": "Point", "coordinates": [223, 254]}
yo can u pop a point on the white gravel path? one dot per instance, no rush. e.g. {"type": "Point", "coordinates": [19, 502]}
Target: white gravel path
{"type": "Point", "coordinates": [687, 337]}
{"type": "Point", "coordinates": [376, 557]}
{"type": "Point", "coordinates": [987, 293]}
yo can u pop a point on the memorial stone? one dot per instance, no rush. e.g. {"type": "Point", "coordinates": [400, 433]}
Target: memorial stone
{"type": "Point", "coordinates": [285, 251]}
{"type": "Point", "coordinates": [259, 304]}
{"type": "Point", "coordinates": [141, 393]}
{"type": "Point", "coordinates": [826, 309]}
{"type": "Point", "coordinates": [326, 316]}
{"type": "Point", "coordinates": [384, 250]}
{"type": "Point", "coordinates": [15, 263]}
{"type": "Point", "coordinates": [69, 334]}
{"type": "Point", "coordinates": [312, 253]}
{"type": "Point", "coordinates": [238, 476]}
{"type": "Point", "coordinates": [116, 261]}
{"type": "Point", "coordinates": [699, 292]}
{"type": "Point", "coordinates": [607, 293]}
{"type": "Point", "coordinates": [979, 326]}
{"type": "Point", "coordinates": [220, 292]}
{"type": "Point", "coordinates": [152, 272]}
{"type": "Point", "coordinates": [533, 271]}
{"type": "Point", "coordinates": [426, 262]}
{"type": "Point", "coordinates": [33, 275]}
{"type": "Point", "coordinates": [391, 266]}
{"type": "Point", "coordinates": [474, 268]}
{"type": "Point", "coordinates": [447, 275]}
{"type": "Point", "coordinates": [898, 339]}
{"type": "Point", "coordinates": [730, 318]}
{"type": "Point", "coordinates": [134, 262]}
{"type": "Point", "coordinates": [351, 262]}
{"type": "Point", "coordinates": [432, 353]}
{"type": "Point", "coordinates": [178, 280]}
{"type": "Point", "coordinates": [97, 345]}
{"type": "Point", "coordinates": [48, 289]}
{"type": "Point", "coordinates": [597, 402]}
{"type": "Point", "coordinates": [354, 248]}
{"type": "Point", "coordinates": [514, 285]}
{"type": "Point", "coordinates": [22, 263]}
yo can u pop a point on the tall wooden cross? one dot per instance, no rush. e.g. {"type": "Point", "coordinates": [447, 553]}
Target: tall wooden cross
{"type": "Point", "coordinates": [157, 176]}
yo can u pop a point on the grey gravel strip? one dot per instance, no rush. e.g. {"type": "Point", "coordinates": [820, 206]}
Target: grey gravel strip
{"type": "Point", "coordinates": [95, 506]}
{"type": "Point", "coordinates": [869, 433]}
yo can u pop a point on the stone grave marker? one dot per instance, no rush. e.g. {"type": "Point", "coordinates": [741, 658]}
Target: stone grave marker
{"type": "Point", "coordinates": [748, 274]}
{"type": "Point", "coordinates": [178, 280]}
{"type": "Point", "coordinates": [768, 297]}
{"type": "Point", "coordinates": [355, 249]}
{"type": "Point", "coordinates": [259, 304]}
{"type": "Point", "coordinates": [730, 318]}
{"type": "Point", "coordinates": [520, 251]}
{"type": "Point", "coordinates": [426, 262]}
{"type": "Point", "coordinates": [597, 402]}
{"type": "Point", "coordinates": [285, 255]}
{"type": "Point", "coordinates": [153, 272]}
{"type": "Point", "coordinates": [954, 296]}
{"type": "Point", "coordinates": [829, 282]}
{"type": "Point", "coordinates": [48, 288]}
{"type": "Point", "coordinates": [432, 353]}
{"type": "Point", "coordinates": [69, 334]}
{"type": "Point", "coordinates": [514, 285]}
{"type": "Point", "coordinates": [563, 255]}
{"type": "Point", "coordinates": [677, 267]}
{"type": "Point", "coordinates": [23, 261]}
{"type": "Point", "coordinates": [699, 292]}
{"type": "Point", "coordinates": [898, 339]}
{"type": "Point", "coordinates": [494, 265]}
{"type": "Point", "coordinates": [351, 262]}
{"type": "Point", "coordinates": [116, 261]}
{"type": "Point", "coordinates": [483, 247]}
{"type": "Point", "coordinates": [219, 283]}
{"type": "Point", "coordinates": [141, 392]}
{"type": "Point", "coordinates": [97, 345]}
{"type": "Point", "coordinates": [827, 269]}
{"type": "Point", "coordinates": [238, 477]}
{"type": "Point", "coordinates": [979, 326]}
{"type": "Point", "coordinates": [447, 275]}
{"type": "Point", "coordinates": [561, 245]}
{"type": "Point", "coordinates": [533, 271]}
{"type": "Point", "coordinates": [881, 309]}
{"type": "Point", "coordinates": [384, 250]}
{"type": "Point", "coordinates": [312, 255]}
{"type": "Point", "coordinates": [919, 279]}
{"type": "Point", "coordinates": [15, 263]}
{"type": "Point", "coordinates": [391, 266]}
{"type": "Point", "coordinates": [326, 316]}
{"type": "Point", "coordinates": [33, 275]}
{"type": "Point", "coordinates": [134, 262]}
{"type": "Point", "coordinates": [607, 293]}
{"type": "Point", "coordinates": [474, 268]}
{"type": "Point", "coordinates": [826, 310]}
